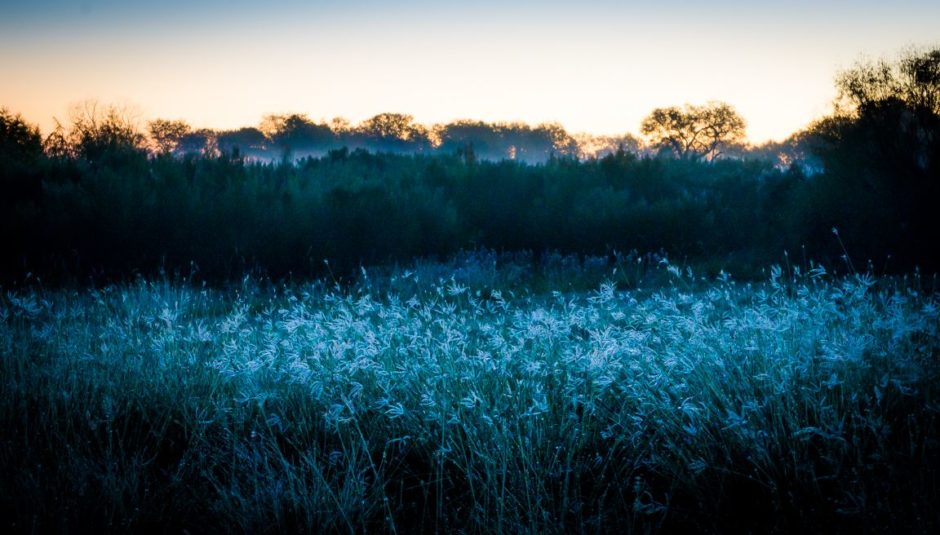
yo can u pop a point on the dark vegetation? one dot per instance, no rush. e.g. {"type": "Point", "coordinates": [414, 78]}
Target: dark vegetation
{"type": "Point", "coordinates": [97, 200]}
{"type": "Point", "coordinates": [510, 388]}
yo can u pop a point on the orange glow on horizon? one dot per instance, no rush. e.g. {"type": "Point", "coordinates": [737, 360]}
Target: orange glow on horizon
{"type": "Point", "coordinates": [589, 73]}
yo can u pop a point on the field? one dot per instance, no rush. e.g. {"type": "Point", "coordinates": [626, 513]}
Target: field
{"type": "Point", "coordinates": [472, 397]}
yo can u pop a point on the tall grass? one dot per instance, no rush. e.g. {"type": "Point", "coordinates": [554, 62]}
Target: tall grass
{"type": "Point", "coordinates": [444, 404]}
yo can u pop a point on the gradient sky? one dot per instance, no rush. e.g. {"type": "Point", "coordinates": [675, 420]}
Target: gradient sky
{"type": "Point", "coordinates": [594, 66]}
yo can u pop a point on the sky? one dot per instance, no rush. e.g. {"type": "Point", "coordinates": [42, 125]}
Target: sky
{"type": "Point", "coordinates": [594, 66]}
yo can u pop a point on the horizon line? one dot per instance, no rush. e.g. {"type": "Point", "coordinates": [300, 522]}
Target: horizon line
{"type": "Point", "coordinates": [141, 119]}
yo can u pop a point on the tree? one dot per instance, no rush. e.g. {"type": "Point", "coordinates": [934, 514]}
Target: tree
{"type": "Point", "coordinates": [99, 133]}
{"type": "Point", "coordinates": [295, 131]}
{"type": "Point", "coordinates": [562, 144]}
{"type": "Point", "coordinates": [886, 126]}
{"type": "Point", "coordinates": [18, 139]}
{"type": "Point", "coordinates": [20, 153]}
{"type": "Point", "coordinates": [340, 125]}
{"type": "Point", "coordinates": [695, 131]}
{"type": "Point", "coordinates": [246, 141]}
{"type": "Point", "coordinates": [913, 79]}
{"type": "Point", "coordinates": [388, 125]}
{"type": "Point", "coordinates": [202, 141]}
{"type": "Point", "coordinates": [881, 158]}
{"type": "Point", "coordinates": [166, 135]}
{"type": "Point", "coordinates": [469, 139]}
{"type": "Point", "coordinates": [396, 132]}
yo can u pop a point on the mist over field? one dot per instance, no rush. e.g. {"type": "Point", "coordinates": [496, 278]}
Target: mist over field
{"type": "Point", "coordinates": [656, 279]}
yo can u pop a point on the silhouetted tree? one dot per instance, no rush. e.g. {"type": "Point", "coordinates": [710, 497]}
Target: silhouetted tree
{"type": "Point", "coordinates": [56, 144]}
{"type": "Point", "coordinates": [535, 145]}
{"type": "Point", "coordinates": [395, 132]}
{"type": "Point", "coordinates": [296, 132]}
{"type": "Point", "coordinates": [21, 151]}
{"type": "Point", "coordinates": [562, 144]}
{"type": "Point", "coordinates": [913, 79]}
{"type": "Point", "coordinates": [388, 125]}
{"type": "Point", "coordinates": [694, 131]}
{"type": "Point", "coordinates": [480, 138]}
{"type": "Point", "coordinates": [881, 154]}
{"type": "Point", "coordinates": [166, 134]}
{"type": "Point", "coordinates": [102, 132]}
{"type": "Point", "coordinates": [203, 141]}
{"type": "Point", "coordinates": [248, 141]}
{"type": "Point", "coordinates": [18, 139]}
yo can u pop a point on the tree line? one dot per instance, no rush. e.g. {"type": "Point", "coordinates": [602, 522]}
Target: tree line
{"type": "Point", "coordinates": [715, 127]}
{"type": "Point", "coordinates": [289, 137]}
{"type": "Point", "coordinates": [103, 198]}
